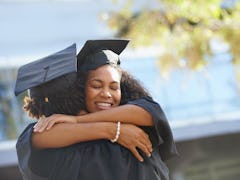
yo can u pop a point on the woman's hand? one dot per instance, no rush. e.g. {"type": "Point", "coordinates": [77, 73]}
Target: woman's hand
{"type": "Point", "coordinates": [46, 123]}
{"type": "Point", "coordinates": [133, 137]}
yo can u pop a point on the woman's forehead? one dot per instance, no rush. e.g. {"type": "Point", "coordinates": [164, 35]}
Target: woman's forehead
{"type": "Point", "coordinates": [106, 72]}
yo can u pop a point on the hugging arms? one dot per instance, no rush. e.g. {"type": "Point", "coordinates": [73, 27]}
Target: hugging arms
{"type": "Point", "coordinates": [69, 130]}
{"type": "Point", "coordinates": [79, 114]}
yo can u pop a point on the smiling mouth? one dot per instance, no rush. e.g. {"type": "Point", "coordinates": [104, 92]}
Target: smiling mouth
{"type": "Point", "coordinates": [104, 105]}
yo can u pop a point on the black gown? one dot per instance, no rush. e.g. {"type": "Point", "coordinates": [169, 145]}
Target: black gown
{"type": "Point", "coordinates": [100, 159]}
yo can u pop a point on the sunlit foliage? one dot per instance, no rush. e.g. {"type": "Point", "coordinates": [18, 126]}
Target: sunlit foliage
{"type": "Point", "coordinates": [183, 29]}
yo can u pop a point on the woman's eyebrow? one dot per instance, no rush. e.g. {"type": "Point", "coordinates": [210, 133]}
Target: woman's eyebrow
{"type": "Point", "coordinates": [115, 82]}
{"type": "Point", "coordinates": [95, 79]}
{"type": "Point", "coordinates": [99, 80]}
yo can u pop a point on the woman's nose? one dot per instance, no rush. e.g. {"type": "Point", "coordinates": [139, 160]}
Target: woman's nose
{"type": "Point", "coordinates": [106, 93]}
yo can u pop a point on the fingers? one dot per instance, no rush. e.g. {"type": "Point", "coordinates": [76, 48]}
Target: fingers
{"type": "Point", "coordinates": [147, 142]}
{"type": "Point", "coordinates": [136, 154]}
{"type": "Point", "coordinates": [143, 144]}
{"type": "Point", "coordinates": [41, 125]}
{"type": "Point", "coordinates": [144, 148]}
{"type": "Point", "coordinates": [47, 123]}
{"type": "Point", "coordinates": [44, 124]}
{"type": "Point", "coordinates": [50, 124]}
{"type": "Point", "coordinates": [135, 139]}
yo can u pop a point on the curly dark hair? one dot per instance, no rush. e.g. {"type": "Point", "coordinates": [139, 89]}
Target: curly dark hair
{"type": "Point", "coordinates": [64, 100]}
{"type": "Point", "coordinates": [131, 88]}
{"type": "Point", "coordinates": [71, 100]}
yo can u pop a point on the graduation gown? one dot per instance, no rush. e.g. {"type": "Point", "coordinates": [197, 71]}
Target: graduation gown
{"type": "Point", "coordinates": [100, 159]}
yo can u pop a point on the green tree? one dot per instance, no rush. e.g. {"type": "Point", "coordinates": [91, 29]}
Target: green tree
{"type": "Point", "coordinates": [183, 29]}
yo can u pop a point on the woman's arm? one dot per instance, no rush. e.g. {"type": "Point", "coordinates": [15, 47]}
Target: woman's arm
{"type": "Point", "coordinates": [128, 113]}
{"type": "Point", "coordinates": [65, 134]}
{"type": "Point", "coordinates": [131, 114]}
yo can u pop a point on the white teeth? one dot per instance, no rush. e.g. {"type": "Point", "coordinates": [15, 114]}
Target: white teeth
{"type": "Point", "coordinates": [104, 104]}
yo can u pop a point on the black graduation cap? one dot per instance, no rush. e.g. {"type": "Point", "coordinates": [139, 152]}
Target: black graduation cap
{"type": "Point", "coordinates": [96, 53]}
{"type": "Point", "coordinates": [46, 69]}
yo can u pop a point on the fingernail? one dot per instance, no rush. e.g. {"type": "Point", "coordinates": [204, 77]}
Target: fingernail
{"type": "Point", "coordinates": [141, 160]}
{"type": "Point", "coordinates": [149, 155]}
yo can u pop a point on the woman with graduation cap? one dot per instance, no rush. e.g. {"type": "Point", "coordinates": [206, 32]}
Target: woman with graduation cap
{"type": "Point", "coordinates": [103, 159]}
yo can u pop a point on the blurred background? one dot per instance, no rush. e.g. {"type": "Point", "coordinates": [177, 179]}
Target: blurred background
{"type": "Point", "coordinates": [185, 52]}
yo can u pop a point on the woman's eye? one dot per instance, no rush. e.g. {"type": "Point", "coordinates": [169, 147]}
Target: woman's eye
{"type": "Point", "coordinates": [114, 88]}
{"type": "Point", "coordinates": [96, 86]}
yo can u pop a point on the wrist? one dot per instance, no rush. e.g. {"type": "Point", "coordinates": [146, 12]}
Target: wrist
{"type": "Point", "coordinates": [110, 131]}
{"type": "Point", "coordinates": [117, 133]}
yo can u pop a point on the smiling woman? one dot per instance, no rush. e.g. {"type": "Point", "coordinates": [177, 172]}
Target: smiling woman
{"type": "Point", "coordinates": [103, 89]}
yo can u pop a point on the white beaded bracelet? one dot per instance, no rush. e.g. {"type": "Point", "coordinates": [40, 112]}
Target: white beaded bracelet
{"type": "Point", "coordinates": [117, 132]}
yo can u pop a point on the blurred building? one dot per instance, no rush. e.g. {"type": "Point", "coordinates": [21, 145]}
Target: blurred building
{"type": "Point", "coordinates": [203, 107]}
